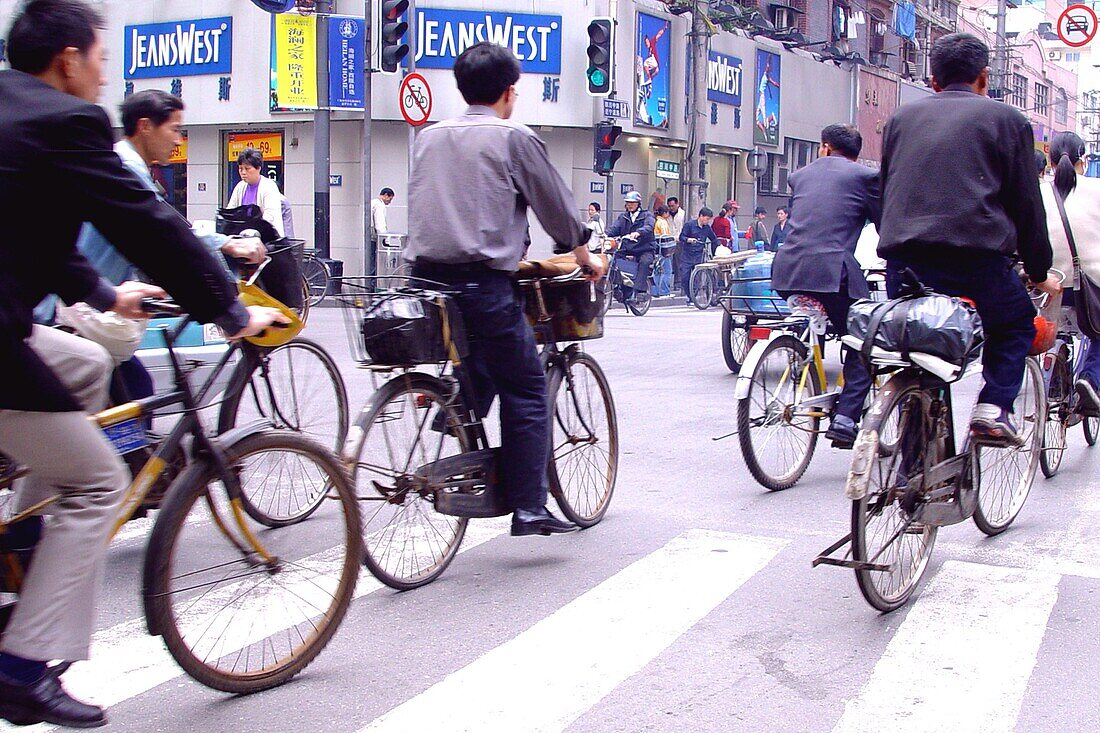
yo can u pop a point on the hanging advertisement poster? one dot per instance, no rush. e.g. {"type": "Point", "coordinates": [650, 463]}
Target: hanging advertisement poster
{"type": "Point", "coordinates": [766, 131]}
{"type": "Point", "coordinates": [652, 51]}
{"type": "Point", "coordinates": [293, 63]}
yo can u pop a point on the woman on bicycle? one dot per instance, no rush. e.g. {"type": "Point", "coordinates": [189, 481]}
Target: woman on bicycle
{"type": "Point", "coordinates": [1081, 197]}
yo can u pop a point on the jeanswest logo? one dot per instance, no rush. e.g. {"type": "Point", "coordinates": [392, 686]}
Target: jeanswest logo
{"type": "Point", "coordinates": [183, 48]}
{"type": "Point", "coordinates": [444, 34]}
{"type": "Point", "coordinates": [723, 78]}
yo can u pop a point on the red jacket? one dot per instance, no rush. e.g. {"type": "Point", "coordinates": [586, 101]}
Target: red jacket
{"type": "Point", "coordinates": [721, 227]}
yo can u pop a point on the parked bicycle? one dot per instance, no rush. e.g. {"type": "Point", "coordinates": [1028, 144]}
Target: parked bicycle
{"type": "Point", "coordinates": [316, 276]}
{"type": "Point", "coordinates": [244, 598]}
{"type": "Point", "coordinates": [420, 453]}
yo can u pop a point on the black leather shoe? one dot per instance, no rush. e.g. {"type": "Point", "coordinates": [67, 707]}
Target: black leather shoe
{"type": "Point", "coordinates": [540, 521]}
{"type": "Point", "coordinates": [842, 432]}
{"type": "Point", "coordinates": [46, 701]}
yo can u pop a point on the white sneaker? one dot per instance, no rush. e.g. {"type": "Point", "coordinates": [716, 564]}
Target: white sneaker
{"type": "Point", "coordinates": [992, 423]}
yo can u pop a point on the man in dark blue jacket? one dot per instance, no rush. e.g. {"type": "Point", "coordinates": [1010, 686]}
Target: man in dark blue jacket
{"type": "Point", "coordinates": [692, 238]}
{"type": "Point", "coordinates": [634, 230]}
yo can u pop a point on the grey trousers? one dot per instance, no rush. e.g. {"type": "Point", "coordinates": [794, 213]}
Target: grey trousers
{"type": "Point", "coordinates": [68, 456]}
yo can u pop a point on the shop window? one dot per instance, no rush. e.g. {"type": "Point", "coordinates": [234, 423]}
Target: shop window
{"type": "Point", "coordinates": [876, 46]}
{"type": "Point", "coordinates": [1019, 91]}
{"type": "Point", "coordinates": [799, 154]}
{"type": "Point", "coordinates": [839, 19]}
{"type": "Point", "coordinates": [1042, 92]}
{"type": "Point", "coordinates": [773, 181]}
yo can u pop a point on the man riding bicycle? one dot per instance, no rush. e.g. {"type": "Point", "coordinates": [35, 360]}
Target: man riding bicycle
{"type": "Point", "coordinates": [56, 148]}
{"type": "Point", "coordinates": [831, 200]}
{"type": "Point", "coordinates": [960, 200]}
{"type": "Point", "coordinates": [634, 230]}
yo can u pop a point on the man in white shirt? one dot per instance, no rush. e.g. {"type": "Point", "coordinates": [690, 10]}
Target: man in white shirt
{"type": "Point", "coordinates": [378, 213]}
{"type": "Point", "coordinates": [676, 223]}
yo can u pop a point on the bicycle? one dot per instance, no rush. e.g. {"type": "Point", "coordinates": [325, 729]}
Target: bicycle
{"type": "Point", "coordinates": [1061, 365]}
{"type": "Point", "coordinates": [419, 452]}
{"type": "Point", "coordinates": [316, 276]}
{"type": "Point", "coordinates": [621, 279]}
{"type": "Point", "coordinates": [904, 490]}
{"type": "Point", "coordinates": [212, 572]}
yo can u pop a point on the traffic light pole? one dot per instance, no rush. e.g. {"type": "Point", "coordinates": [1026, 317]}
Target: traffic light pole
{"type": "Point", "coordinates": [370, 252]}
{"type": "Point", "coordinates": [321, 137]}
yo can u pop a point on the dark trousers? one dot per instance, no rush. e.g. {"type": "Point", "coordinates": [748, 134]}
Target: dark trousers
{"type": "Point", "coordinates": [1006, 311]}
{"type": "Point", "coordinates": [645, 267]}
{"type": "Point", "coordinates": [687, 264]}
{"type": "Point", "coordinates": [504, 361]}
{"type": "Point", "coordinates": [857, 380]}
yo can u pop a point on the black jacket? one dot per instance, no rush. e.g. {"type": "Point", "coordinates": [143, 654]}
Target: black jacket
{"type": "Point", "coordinates": [643, 224]}
{"type": "Point", "coordinates": [958, 172]}
{"type": "Point", "coordinates": [58, 170]}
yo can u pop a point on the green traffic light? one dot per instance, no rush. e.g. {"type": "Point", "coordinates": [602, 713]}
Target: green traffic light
{"type": "Point", "coordinates": [597, 77]}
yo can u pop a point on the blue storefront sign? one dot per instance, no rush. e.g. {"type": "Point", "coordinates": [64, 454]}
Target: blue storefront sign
{"type": "Point", "coordinates": [441, 35]}
{"type": "Point", "coordinates": [723, 79]}
{"type": "Point", "coordinates": [178, 48]}
{"type": "Point", "coordinates": [345, 62]}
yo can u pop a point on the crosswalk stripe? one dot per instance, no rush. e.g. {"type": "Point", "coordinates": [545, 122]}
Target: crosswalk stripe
{"type": "Point", "coordinates": [538, 681]}
{"type": "Point", "coordinates": [126, 662]}
{"type": "Point", "coordinates": [962, 659]}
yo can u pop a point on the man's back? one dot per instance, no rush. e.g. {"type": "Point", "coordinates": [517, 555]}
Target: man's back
{"type": "Point", "coordinates": [831, 199]}
{"type": "Point", "coordinates": [957, 173]}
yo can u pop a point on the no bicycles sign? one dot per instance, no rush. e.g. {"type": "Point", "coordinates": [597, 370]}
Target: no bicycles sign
{"type": "Point", "coordinates": [415, 98]}
{"type": "Point", "coordinates": [1077, 25]}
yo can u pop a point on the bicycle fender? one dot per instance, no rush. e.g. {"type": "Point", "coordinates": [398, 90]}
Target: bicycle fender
{"type": "Point", "coordinates": [863, 457]}
{"type": "Point", "coordinates": [744, 377]}
{"type": "Point", "coordinates": [235, 435]}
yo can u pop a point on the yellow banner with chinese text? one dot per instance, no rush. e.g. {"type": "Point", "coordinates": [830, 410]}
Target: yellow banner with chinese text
{"type": "Point", "coordinates": [296, 60]}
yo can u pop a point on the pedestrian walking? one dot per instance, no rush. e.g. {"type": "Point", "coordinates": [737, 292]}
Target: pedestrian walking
{"type": "Point", "coordinates": [256, 188]}
{"type": "Point", "coordinates": [693, 239]}
{"type": "Point", "coordinates": [677, 217]}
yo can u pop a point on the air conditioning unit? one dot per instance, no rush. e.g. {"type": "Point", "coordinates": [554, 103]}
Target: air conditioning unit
{"type": "Point", "coordinates": [1054, 55]}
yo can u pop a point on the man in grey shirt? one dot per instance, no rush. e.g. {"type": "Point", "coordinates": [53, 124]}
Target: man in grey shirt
{"type": "Point", "coordinates": [476, 248]}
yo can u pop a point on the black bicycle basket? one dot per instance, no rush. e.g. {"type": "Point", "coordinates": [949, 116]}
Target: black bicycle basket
{"type": "Point", "coordinates": [409, 327]}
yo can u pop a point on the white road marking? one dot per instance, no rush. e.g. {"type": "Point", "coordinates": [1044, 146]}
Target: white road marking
{"type": "Point", "coordinates": [127, 662]}
{"type": "Point", "coordinates": [962, 658]}
{"type": "Point", "coordinates": [624, 622]}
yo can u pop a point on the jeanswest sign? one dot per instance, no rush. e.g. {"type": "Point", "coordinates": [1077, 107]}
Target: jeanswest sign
{"type": "Point", "coordinates": [179, 48]}
{"type": "Point", "coordinates": [723, 79]}
{"type": "Point", "coordinates": [441, 35]}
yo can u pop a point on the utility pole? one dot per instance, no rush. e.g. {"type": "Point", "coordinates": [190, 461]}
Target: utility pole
{"type": "Point", "coordinates": [412, 67]}
{"type": "Point", "coordinates": [321, 137]}
{"type": "Point", "coordinates": [1000, 68]}
{"type": "Point", "coordinates": [370, 255]}
{"type": "Point", "coordinates": [695, 160]}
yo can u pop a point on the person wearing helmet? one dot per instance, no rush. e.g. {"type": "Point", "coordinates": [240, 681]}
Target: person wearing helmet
{"type": "Point", "coordinates": [634, 230]}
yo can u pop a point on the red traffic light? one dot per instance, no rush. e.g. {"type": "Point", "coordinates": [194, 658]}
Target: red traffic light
{"type": "Point", "coordinates": [607, 134]}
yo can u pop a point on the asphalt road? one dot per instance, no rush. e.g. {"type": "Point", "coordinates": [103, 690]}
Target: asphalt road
{"type": "Point", "coordinates": [692, 606]}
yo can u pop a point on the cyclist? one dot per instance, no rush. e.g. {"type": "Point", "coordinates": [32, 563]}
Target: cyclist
{"type": "Point", "coordinates": [832, 198]}
{"type": "Point", "coordinates": [960, 199]}
{"type": "Point", "coordinates": [693, 237]}
{"type": "Point", "coordinates": [634, 230]}
{"type": "Point", "coordinates": [507, 164]}
{"type": "Point", "coordinates": [56, 145]}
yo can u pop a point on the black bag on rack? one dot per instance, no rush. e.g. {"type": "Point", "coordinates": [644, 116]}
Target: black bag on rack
{"type": "Point", "coordinates": [282, 276]}
{"type": "Point", "coordinates": [935, 324]}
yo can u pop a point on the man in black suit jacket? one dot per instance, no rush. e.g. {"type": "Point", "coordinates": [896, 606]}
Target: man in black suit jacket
{"type": "Point", "coordinates": [831, 201]}
{"type": "Point", "coordinates": [57, 171]}
{"type": "Point", "coordinates": [960, 199]}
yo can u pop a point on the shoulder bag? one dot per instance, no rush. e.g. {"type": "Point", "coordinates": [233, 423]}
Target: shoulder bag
{"type": "Point", "coordinates": [1086, 293]}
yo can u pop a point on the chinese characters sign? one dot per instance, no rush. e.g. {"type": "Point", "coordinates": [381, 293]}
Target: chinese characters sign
{"type": "Point", "coordinates": [295, 61]}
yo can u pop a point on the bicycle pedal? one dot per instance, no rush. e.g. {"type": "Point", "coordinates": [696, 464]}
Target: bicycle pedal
{"type": "Point", "coordinates": [843, 444]}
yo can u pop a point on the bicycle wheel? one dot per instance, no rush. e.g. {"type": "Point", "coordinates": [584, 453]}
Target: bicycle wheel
{"type": "Point", "coordinates": [1059, 392]}
{"type": "Point", "coordinates": [232, 620]}
{"type": "Point", "coordinates": [883, 532]}
{"type": "Point", "coordinates": [317, 279]}
{"type": "Point", "coordinates": [584, 458]}
{"type": "Point", "coordinates": [735, 342]}
{"type": "Point", "coordinates": [777, 437]}
{"type": "Point", "coordinates": [411, 420]}
{"type": "Point", "coordinates": [1006, 474]}
{"type": "Point", "coordinates": [702, 287]}
{"type": "Point", "coordinates": [1091, 426]}
{"type": "Point", "coordinates": [639, 304]}
{"type": "Point", "coordinates": [297, 387]}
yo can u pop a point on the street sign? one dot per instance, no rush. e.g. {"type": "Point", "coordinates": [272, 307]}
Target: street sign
{"type": "Point", "coordinates": [415, 98]}
{"type": "Point", "coordinates": [625, 188]}
{"type": "Point", "coordinates": [757, 161]}
{"type": "Point", "coordinates": [596, 187]}
{"type": "Point", "coordinates": [617, 109]}
{"type": "Point", "coordinates": [336, 181]}
{"type": "Point", "coordinates": [668, 169]}
{"type": "Point", "coordinates": [1077, 25]}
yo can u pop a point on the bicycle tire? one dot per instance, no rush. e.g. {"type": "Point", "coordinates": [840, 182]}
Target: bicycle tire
{"type": "Point", "coordinates": [391, 512]}
{"type": "Point", "coordinates": [702, 288]}
{"type": "Point", "coordinates": [784, 354]}
{"type": "Point", "coordinates": [1000, 500]}
{"type": "Point", "coordinates": [1059, 393]}
{"type": "Point", "coordinates": [209, 600]}
{"type": "Point", "coordinates": [595, 437]}
{"type": "Point", "coordinates": [303, 309]}
{"type": "Point", "coordinates": [317, 280]}
{"type": "Point", "coordinates": [908, 551]}
{"type": "Point", "coordinates": [735, 342]}
{"type": "Point", "coordinates": [1091, 426]}
{"type": "Point", "coordinates": [639, 304]}
{"type": "Point", "coordinates": [296, 387]}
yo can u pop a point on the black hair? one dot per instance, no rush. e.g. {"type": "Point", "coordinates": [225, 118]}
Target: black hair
{"type": "Point", "coordinates": [484, 72]}
{"type": "Point", "coordinates": [958, 58]}
{"type": "Point", "coordinates": [661, 210]}
{"type": "Point", "coordinates": [596, 204]}
{"type": "Point", "coordinates": [845, 139]}
{"type": "Point", "coordinates": [670, 199]}
{"type": "Point", "coordinates": [760, 210]}
{"type": "Point", "coordinates": [1040, 162]}
{"type": "Point", "coordinates": [45, 28]}
{"type": "Point", "coordinates": [251, 157]}
{"type": "Point", "coordinates": [705, 212]}
{"type": "Point", "coordinates": [1065, 150]}
{"type": "Point", "coordinates": [784, 209]}
{"type": "Point", "coordinates": [387, 191]}
{"type": "Point", "coordinates": [155, 105]}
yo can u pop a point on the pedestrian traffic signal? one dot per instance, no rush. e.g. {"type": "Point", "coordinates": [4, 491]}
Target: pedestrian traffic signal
{"type": "Point", "coordinates": [391, 28]}
{"type": "Point", "coordinates": [603, 155]}
{"type": "Point", "coordinates": [601, 56]}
